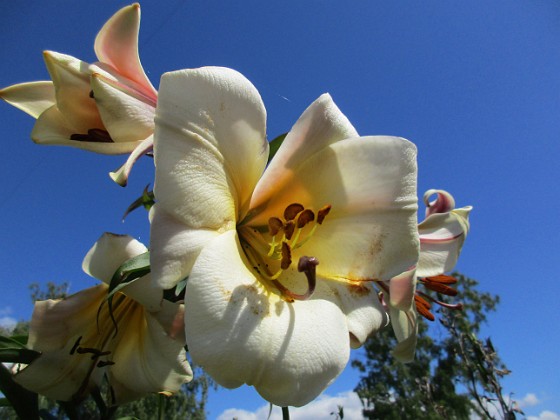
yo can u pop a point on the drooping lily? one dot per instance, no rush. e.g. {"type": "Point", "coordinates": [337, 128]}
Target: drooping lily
{"type": "Point", "coordinates": [442, 234]}
{"type": "Point", "coordinates": [80, 344]}
{"type": "Point", "coordinates": [280, 264]}
{"type": "Point", "coordinates": [105, 107]}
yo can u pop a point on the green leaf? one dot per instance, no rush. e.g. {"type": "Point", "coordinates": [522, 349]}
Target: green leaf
{"type": "Point", "coordinates": [129, 271]}
{"type": "Point", "coordinates": [146, 200]}
{"type": "Point", "coordinates": [11, 343]}
{"type": "Point", "coordinates": [274, 145]}
{"type": "Point", "coordinates": [4, 402]}
{"type": "Point", "coordinates": [18, 355]}
{"type": "Point", "coordinates": [24, 402]}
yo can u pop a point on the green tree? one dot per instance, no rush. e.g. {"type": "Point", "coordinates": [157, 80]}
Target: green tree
{"type": "Point", "coordinates": [453, 375]}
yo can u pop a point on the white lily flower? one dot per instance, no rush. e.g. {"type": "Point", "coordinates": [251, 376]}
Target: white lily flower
{"type": "Point", "coordinates": [280, 263]}
{"type": "Point", "coordinates": [105, 107]}
{"type": "Point", "coordinates": [79, 343]}
{"type": "Point", "coordinates": [442, 234]}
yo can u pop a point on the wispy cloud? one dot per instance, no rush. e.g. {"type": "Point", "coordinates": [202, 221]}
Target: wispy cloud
{"type": "Point", "coordinates": [545, 415]}
{"type": "Point", "coordinates": [528, 400]}
{"type": "Point", "coordinates": [323, 408]}
{"type": "Point", "coordinates": [8, 322]}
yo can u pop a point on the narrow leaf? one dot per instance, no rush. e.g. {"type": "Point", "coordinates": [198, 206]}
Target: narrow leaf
{"type": "Point", "coordinates": [24, 402]}
{"type": "Point", "coordinates": [146, 200]}
{"type": "Point", "coordinates": [274, 145]}
{"type": "Point", "coordinates": [18, 355]}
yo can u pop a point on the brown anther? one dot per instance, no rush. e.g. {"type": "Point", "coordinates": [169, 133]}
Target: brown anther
{"type": "Point", "coordinates": [292, 211]}
{"type": "Point", "coordinates": [423, 308]}
{"type": "Point", "coordinates": [308, 266]}
{"type": "Point", "coordinates": [95, 352]}
{"type": "Point", "coordinates": [304, 218]}
{"type": "Point", "coordinates": [440, 288]}
{"type": "Point", "coordinates": [102, 363]}
{"type": "Point", "coordinates": [91, 95]}
{"type": "Point", "coordinates": [442, 278]}
{"type": "Point", "coordinates": [286, 256]}
{"type": "Point", "coordinates": [94, 135]}
{"type": "Point", "coordinates": [76, 345]}
{"type": "Point", "coordinates": [322, 213]}
{"type": "Point", "coordinates": [274, 225]}
{"type": "Point", "coordinates": [289, 229]}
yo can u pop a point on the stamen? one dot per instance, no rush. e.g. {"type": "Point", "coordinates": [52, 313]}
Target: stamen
{"type": "Point", "coordinates": [275, 225]}
{"type": "Point", "coordinates": [95, 352]}
{"type": "Point", "coordinates": [95, 135]}
{"type": "Point", "coordinates": [102, 363]}
{"type": "Point", "coordinates": [286, 256]}
{"type": "Point", "coordinates": [442, 278]}
{"type": "Point", "coordinates": [304, 218]}
{"type": "Point", "coordinates": [289, 229]}
{"type": "Point", "coordinates": [91, 95]}
{"type": "Point", "coordinates": [322, 213]}
{"type": "Point", "coordinates": [292, 211]}
{"type": "Point", "coordinates": [423, 308]}
{"type": "Point", "coordinates": [438, 287]}
{"type": "Point", "coordinates": [457, 306]}
{"type": "Point", "coordinates": [76, 345]}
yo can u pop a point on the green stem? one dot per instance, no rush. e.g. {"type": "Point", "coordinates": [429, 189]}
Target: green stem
{"type": "Point", "coordinates": [285, 413]}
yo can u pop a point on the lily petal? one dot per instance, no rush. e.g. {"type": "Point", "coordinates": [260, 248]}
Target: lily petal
{"type": "Point", "coordinates": [173, 247]}
{"type": "Point", "coordinates": [321, 125]}
{"type": "Point", "coordinates": [212, 121]}
{"type": "Point", "coordinates": [55, 326]}
{"type": "Point", "coordinates": [120, 176]}
{"type": "Point", "coordinates": [33, 98]}
{"type": "Point", "coordinates": [441, 238]}
{"type": "Point", "coordinates": [370, 182]}
{"type": "Point", "coordinates": [147, 359]}
{"type": "Point", "coordinates": [401, 290]}
{"type": "Point", "coordinates": [108, 254]}
{"type": "Point", "coordinates": [117, 45]}
{"type": "Point", "coordinates": [444, 202]}
{"type": "Point", "coordinates": [239, 333]}
{"type": "Point", "coordinates": [126, 118]}
{"type": "Point", "coordinates": [71, 79]}
{"type": "Point", "coordinates": [405, 326]}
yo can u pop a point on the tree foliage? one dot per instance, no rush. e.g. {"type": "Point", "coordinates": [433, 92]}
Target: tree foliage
{"type": "Point", "coordinates": [454, 374]}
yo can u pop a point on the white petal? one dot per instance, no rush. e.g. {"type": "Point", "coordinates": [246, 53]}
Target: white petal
{"type": "Point", "coordinates": [108, 254]}
{"type": "Point", "coordinates": [71, 78]}
{"type": "Point", "coordinates": [209, 144]}
{"type": "Point", "coordinates": [239, 333]}
{"type": "Point", "coordinates": [401, 290]}
{"type": "Point", "coordinates": [148, 360]}
{"type": "Point", "coordinates": [174, 247]}
{"type": "Point", "coordinates": [443, 203]}
{"type": "Point", "coordinates": [52, 128]}
{"type": "Point", "coordinates": [120, 176]}
{"type": "Point", "coordinates": [441, 238]}
{"type": "Point", "coordinates": [405, 327]}
{"type": "Point", "coordinates": [126, 117]}
{"type": "Point", "coordinates": [33, 98]}
{"type": "Point", "coordinates": [55, 327]}
{"type": "Point", "coordinates": [371, 230]}
{"type": "Point", "coordinates": [320, 125]}
{"type": "Point", "coordinates": [358, 301]}
{"type": "Point", "coordinates": [117, 45]}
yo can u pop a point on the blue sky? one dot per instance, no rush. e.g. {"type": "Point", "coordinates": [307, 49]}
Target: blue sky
{"type": "Point", "coordinates": [476, 85]}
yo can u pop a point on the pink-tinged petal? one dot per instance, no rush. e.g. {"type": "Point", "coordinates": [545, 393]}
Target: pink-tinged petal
{"type": "Point", "coordinates": [34, 98]}
{"type": "Point", "coordinates": [147, 359]}
{"type": "Point", "coordinates": [441, 238]}
{"type": "Point", "coordinates": [405, 326]}
{"type": "Point", "coordinates": [55, 327]}
{"type": "Point", "coordinates": [370, 183]}
{"type": "Point", "coordinates": [210, 147]}
{"type": "Point", "coordinates": [443, 203]}
{"type": "Point", "coordinates": [239, 332]}
{"type": "Point", "coordinates": [174, 247]}
{"type": "Point", "coordinates": [320, 125]}
{"type": "Point", "coordinates": [52, 128]}
{"type": "Point", "coordinates": [401, 290]}
{"type": "Point", "coordinates": [108, 254]}
{"type": "Point", "coordinates": [120, 176]}
{"type": "Point", "coordinates": [71, 79]}
{"type": "Point", "coordinates": [117, 45]}
{"type": "Point", "coordinates": [125, 116]}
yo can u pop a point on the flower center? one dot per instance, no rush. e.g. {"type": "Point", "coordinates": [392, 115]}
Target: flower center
{"type": "Point", "coordinates": [269, 249]}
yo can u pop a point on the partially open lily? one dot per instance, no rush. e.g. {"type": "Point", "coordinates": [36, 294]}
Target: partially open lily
{"type": "Point", "coordinates": [442, 234]}
{"type": "Point", "coordinates": [105, 107]}
{"type": "Point", "coordinates": [79, 345]}
{"type": "Point", "coordinates": [280, 264]}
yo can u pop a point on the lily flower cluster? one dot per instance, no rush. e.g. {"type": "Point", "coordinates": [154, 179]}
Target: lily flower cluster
{"type": "Point", "coordinates": [289, 262]}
